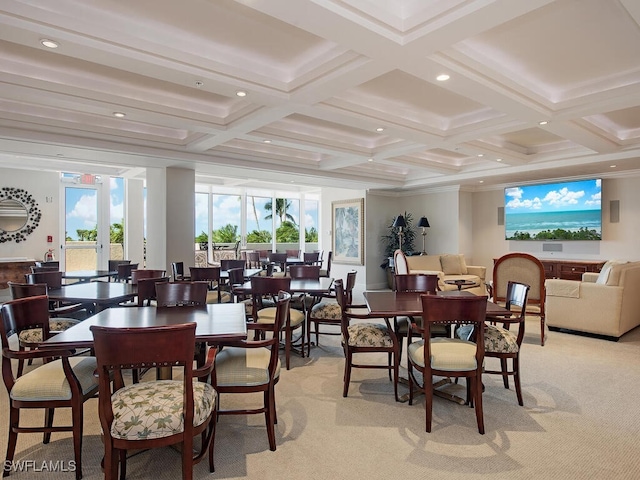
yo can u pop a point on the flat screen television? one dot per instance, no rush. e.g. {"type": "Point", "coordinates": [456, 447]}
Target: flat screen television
{"type": "Point", "coordinates": [554, 211]}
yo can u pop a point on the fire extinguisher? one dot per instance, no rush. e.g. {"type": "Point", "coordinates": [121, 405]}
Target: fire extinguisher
{"type": "Point", "coordinates": [48, 256]}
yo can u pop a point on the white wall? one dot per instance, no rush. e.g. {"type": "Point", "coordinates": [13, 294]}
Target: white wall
{"type": "Point", "coordinates": [40, 185]}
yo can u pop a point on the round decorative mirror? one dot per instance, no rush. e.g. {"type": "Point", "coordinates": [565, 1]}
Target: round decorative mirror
{"type": "Point", "coordinates": [19, 214]}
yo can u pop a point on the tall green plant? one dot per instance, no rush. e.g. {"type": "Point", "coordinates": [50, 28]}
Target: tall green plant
{"type": "Point", "coordinates": [391, 240]}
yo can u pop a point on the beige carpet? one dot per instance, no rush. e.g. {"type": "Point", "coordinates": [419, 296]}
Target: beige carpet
{"type": "Point", "coordinates": [580, 420]}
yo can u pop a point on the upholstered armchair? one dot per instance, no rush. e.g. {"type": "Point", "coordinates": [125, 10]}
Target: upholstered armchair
{"type": "Point", "coordinates": [604, 304]}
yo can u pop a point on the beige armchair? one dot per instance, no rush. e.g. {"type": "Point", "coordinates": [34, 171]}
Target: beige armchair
{"type": "Point", "coordinates": [604, 304]}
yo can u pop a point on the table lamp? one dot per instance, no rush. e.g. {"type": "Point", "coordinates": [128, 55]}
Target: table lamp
{"type": "Point", "coordinates": [399, 223]}
{"type": "Point", "coordinates": [424, 224]}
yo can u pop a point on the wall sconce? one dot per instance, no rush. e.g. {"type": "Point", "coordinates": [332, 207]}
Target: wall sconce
{"type": "Point", "coordinates": [424, 224]}
{"type": "Point", "coordinates": [400, 223]}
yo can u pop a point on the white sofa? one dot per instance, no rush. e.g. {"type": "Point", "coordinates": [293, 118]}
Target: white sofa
{"type": "Point", "coordinates": [450, 267]}
{"type": "Point", "coordinates": [604, 304]}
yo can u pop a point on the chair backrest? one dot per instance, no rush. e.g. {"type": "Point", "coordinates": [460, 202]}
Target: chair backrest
{"type": "Point", "coordinates": [207, 274]}
{"type": "Point", "coordinates": [147, 289]}
{"type": "Point", "coordinates": [522, 268]}
{"type": "Point", "coordinates": [400, 262]}
{"type": "Point", "coordinates": [178, 294]}
{"type": "Point", "coordinates": [138, 274]}
{"type": "Point", "coordinates": [124, 271]}
{"type": "Point", "coordinates": [226, 264]}
{"type": "Point", "coordinates": [454, 310]}
{"type": "Point", "coordinates": [236, 276]}
{"type": "Point", "coordinates": [23, 290]}
{"type": "Point", "coordinates": [416, 282]}
{"type": "Point", "coordinates": [52, 279]}
{"type": "Point", "coordinates": [349, 285]}
{"type": "Point", "coordinates": [329, 260]}
{"type": "Point", "coordinates": [311, 258]}
{"type": "Point", "coordinates": [278, 258]}
{"type": "Point", "coordinates": [253, 259]}
{"type": "Point", "coordinates": [43, 269]}
{"type": "Point", "coordinates": [177, 269]}
{"type": "Point", "coordinates": [266, 288]}
{"type": "Point", "coordinates": [117, 349]}
{"type": "Point", "coordinates": [113, 264]}
{"type": "Point", "coordinates": [305, 272]}
{"type": "Point", "coordinates": [517, 295]}
{"type": "Point", "coordinates": [293, 253]}
{"type": "Point", "coordinates": [23, 314]}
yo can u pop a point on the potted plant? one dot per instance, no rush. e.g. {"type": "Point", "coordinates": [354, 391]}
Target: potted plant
{"type": "Point", "coordinates": [391, 242]}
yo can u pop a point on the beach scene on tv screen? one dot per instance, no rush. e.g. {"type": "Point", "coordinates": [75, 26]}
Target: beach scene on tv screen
{"type": "Point", "coordinates": [556, 211]}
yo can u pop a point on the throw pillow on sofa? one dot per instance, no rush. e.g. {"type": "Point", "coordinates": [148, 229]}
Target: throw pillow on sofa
{"type": "Point", "coordinates": [606, 268]}
{"type": "Point", "coordinates": [451, 265]}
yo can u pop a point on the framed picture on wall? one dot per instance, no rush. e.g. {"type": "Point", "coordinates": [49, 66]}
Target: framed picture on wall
{"type": "Point", "coordinates": [347, 222]}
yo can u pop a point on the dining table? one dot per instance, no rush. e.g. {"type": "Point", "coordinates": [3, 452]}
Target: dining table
{"type": "Point", "coordinates": [101, 294]}
{"type": "Point", "coordinates": [320, 286]}
{"type": "Point", "coordinates": [88, 275]}
{"type": "Point", "coordinates": [216, 324]}
{"type": "Point", "coordinates": [387, 304]}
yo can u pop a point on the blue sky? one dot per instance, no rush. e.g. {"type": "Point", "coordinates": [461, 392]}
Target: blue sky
{"type": "Point", "coordinates": [565, 196]}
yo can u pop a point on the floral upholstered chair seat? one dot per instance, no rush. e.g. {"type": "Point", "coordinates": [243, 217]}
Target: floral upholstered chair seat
{"type": "Point", "coordinates": [149, 409]}
{"type": "Point", "coordinates": [56, 325]}
{"type": "Point", "coordinates": [500, 340]}
{"type": "Point", "coordinates": [369, 335]}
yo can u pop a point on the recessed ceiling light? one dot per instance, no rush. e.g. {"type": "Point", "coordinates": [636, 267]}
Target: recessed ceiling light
{"type": "Point", "coordinates": [49, 43]}
{"type": "Point", "coordinates": [612, 166]}
{"type": "Point", "coordinates": [543, 122]}
{"type": "Point", "coordinates": [379, 129]}
{"type": "Point", "coordinates": [481, 154]}
{"type": "Point", "coordinates": [119, 114]}
{"type": "Point", "coordinates": [267, 141]}
{"type": "Point", "coordinates": [370, 160]}
{"type": "Point", "coordinates": [481, 181]}
{"type": "Point", "coordinates": [498, 159]}
{"type": "Point", "coordinates": [443, 78]}
{"type": "Point", "coordinates": [241, 93]}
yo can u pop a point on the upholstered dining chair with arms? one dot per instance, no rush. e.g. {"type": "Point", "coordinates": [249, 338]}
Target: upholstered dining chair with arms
{"type": "Point", "coordinates": [305, 272]}
{"type": "Point", "coordinates": [268, 288]}
{"type": "Point", "coordinates": [415, 282]}
{"type": "Point", "coordinates": [291, 253]}
{"type": "Point", "coordinates": [254, 366]}
{"type": "Point", "coordinates": [311, 258]}
{"type": "Point", "coordinates": [279, 260]}
{"type": "Point", "coordinates": [228, 263]}
{"type": "Point", "coordinates": [401, 267]}
{"type": "Point", "coordinates": [178, 294]}
{"type": "Point", "coordinates": [448, 357]}
{"type": "Point", "coordinates": [66, 382]}
{"type": "Point", "coordinates": [30, 338]}
{"type": "Point", "coordinates": [124, 271]}
{"type": "Point", "coordinates": [522, 268]}
{"type": "Point", "coordinates": [502, 343]}
{"type": "Point", "coordinates": [365, 336]}
{"type": "Point", "coordinates": [327, 272]}
{"type": "Point", "coordinates": [328, 312]}
{"type": "Point", "coordinates": [157, 413]}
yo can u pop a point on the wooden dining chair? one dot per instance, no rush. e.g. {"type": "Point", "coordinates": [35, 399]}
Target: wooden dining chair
{"type": "Point", "coordinates": [448, 357]}
{"type": "Point", "coordinates": [502, 343]}
{"type": "Point", "coordinates": [365, 335]}
{"type": "Point", "coordinates": [153, 414]}
{"type": "Point", "coordinates": [211, 275]}
{"type": "Point", "coordinates": [291, 253]}
{"type": "Point", "coordinates": [124, 271]}
{"type": "Point", "coordinates": [228, 263]}
{"type": "Point", "coordinates": [268, 288]}
{"type": "Point", "coordinates": [305, 302]}
{"type": "Point", "coordinates": [53, 281]}
{"type": "Point", "coordinates": [140, 273]}
{"type": "Point", "coordinates": [279, 260]}
{"type": "Point", "coordinates": [147, 290]}
{"type": "Point", "coordinates": [415, 282]}
{"type": "Point", "coordinates": [31, 338]}
{"type": "Point", "coordinates": [66, 382]}
{"type": "Point", "coordinates": [327, 272]}
{"type": "Point", "coordinates": [253, 259]}
{"type": "Point", "coordinates": [253, 366]}
{"type": "Point", "coordinates": [311, 258]}
{"type": "Point", "coordinates": [178, 294]}
{"type": "Point", "coordinates": [177, 269]}
{"type": "Point", "coordinates": [43, 269]}
{"type": "Point", "coordinates": [112, 266]}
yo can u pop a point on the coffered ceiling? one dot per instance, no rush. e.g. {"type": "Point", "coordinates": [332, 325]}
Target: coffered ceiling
{"type": "Point", "coordinates": [341, 93]}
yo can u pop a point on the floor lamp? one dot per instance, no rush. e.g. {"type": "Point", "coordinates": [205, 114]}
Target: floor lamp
{"type": "Point", "coordinates": [424, 223]}
{"type": "Point", "coordinates": [399, 223]}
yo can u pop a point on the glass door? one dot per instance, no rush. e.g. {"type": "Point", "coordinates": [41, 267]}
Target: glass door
{"type": "Point", "coordinates": [81, 244]}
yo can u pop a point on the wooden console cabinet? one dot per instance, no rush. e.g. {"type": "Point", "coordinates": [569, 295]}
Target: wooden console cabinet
{"type": "Point", "coordinates": [14, 271]}
{"type": "Point", "coordinates": [570, 269]}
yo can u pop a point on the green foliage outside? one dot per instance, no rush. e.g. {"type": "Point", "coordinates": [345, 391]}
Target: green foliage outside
{"type": "Point", "coordinates": [558, 234]}
{"type": "Point", "coordinates": [282, 205]}
{"type": "Point", "coordinates": [259, 236]}
{"type": "Point", "coordinates": [311, 235]}
{"type": "Point", "coordinates": [288, 232]}
{"type": "Point", "coordinates": [226, 234]}
{"type": "Point", "coordinates": [116, 234]}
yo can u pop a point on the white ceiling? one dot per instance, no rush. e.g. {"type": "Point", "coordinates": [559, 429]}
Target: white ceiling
{"type": "Point", "coordinates": [321, 76]}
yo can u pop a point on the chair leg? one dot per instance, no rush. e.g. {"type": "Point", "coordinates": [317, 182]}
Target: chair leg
{"type": "Point", "coordinates": [396, 373]}
{"type": "Point", "coordinates": [428, 401]}
{"type": "Point", "coordinates": [288, 338]}
{"type": "Point", "coordinates": [477, 389]}
{"type": "Point", "coordinates": [48, 423]}
{"type": "Point", "coordinates": [516, 379]}
{"type": "Point", "coordinates": [14, 421]}
{"type": "Point", "coordinates": [542, 330]}
{"type": "Point", "coordinates": [122, 454]}
{"type": "Point", "coordinates": [76, 416]}
{"type": "Point", "coordinates": [214, 421]}
{"type": "Point", "coordinates": [347, 372]}
{"type": "Point", "coordinates": [269, 417]}
{"type": "Point", "coordinates": [187, 458]}
{"type": "Point", "coordinates": [505, 375]}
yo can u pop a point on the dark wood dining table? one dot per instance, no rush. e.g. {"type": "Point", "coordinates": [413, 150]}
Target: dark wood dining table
{"type": "Point", "coordinates": [101, 294]}
{"type": "Point", "coordinates": [88, 275]}
{"type": "Point", "coordinates": [309, 286]}
{"type": "Point", "coordinates": [387, 304]}
{"type": "Point", "coordinates": [215, 323]}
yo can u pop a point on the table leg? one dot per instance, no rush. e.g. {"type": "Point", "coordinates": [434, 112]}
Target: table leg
{"type": "Point", "coordinates": [438, 393]}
